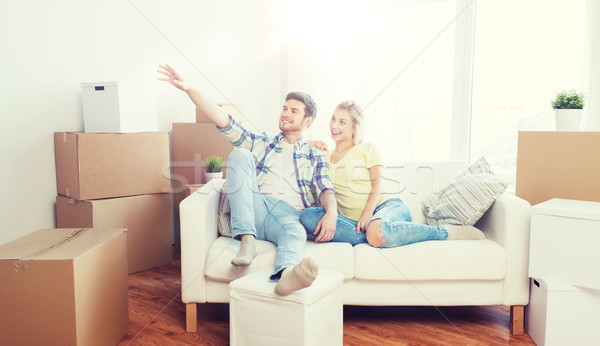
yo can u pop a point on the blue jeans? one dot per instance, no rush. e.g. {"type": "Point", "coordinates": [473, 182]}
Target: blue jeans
{"type": "Point", "coordinates": [397, 227]}
{"type": "Point", "coordinates": [265, 217]}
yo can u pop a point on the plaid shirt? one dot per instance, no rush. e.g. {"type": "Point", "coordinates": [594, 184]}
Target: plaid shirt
{"type": "Point", "coordinates": [312, 170]}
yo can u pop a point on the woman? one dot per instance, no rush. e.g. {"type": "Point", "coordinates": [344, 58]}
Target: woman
{"type": "Point", "coordinates": [365, 215]}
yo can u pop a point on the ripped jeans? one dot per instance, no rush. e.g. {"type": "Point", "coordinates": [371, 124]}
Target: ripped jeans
{"type": "Point", "coordinates": [397, 227]}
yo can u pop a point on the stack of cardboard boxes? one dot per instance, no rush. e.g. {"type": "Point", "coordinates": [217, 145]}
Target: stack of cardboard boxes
{"type": "Point", "coordinates": [558, 174]}
{"type": "Point", "coordinates": [116, 174]}
{"type": "Point", "coordinates": [114, 208]}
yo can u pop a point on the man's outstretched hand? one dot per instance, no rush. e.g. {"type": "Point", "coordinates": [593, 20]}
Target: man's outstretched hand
{"type": "Point", "coordinates": [172, 77]}
{"type": "Point", "coordinates": [215, 113]}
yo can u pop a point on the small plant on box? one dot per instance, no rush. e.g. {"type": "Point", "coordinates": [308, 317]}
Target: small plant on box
{"type": "Point", "coordinates": [568, 100]}
{"type": "Point", "coordinates": [568, 107]}
{"type": "Point", "coordinates": [213, 164]}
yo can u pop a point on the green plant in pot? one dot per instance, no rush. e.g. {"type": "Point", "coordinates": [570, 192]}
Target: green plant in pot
{"type": "Point", "coordinates": [213, 169]}
{"type": "Point", "coordinates": [568, 107]}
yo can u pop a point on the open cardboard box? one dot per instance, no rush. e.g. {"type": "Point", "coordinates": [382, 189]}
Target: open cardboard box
{"type": "Point", "coordinates": [64, 287]}
{"type": "Point", "coordinates": [553, 164]}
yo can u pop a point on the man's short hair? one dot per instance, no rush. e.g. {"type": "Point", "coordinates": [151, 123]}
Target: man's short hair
{"type": "Point", "coordinates": [310, 105]}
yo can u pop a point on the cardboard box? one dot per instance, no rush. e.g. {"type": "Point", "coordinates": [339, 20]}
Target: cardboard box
{"type": "Point", "coordinates": [235, 111]}
{"type": "Point", "coordinates": [192, 144]}
{"type": "Point", "coordinates": [64, 287]}
{"type": "Point", "coordinates": [191, 188]}
{"type": "Point", "coordinates": [146, 217]}
{"type": "Point", "coordinates": [91, 166]}
{"type": "Point", "coordinates": [562, 314]}
{"type": "Point", "coordinates": [558, 165]}
{"type": "Point", "coordinates": [564, 240]}
{"type": "Point", "coordinates": [118, 107]}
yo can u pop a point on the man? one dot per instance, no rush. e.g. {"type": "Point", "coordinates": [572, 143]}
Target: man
{"type": "Point", "coordinates": [269, 181]}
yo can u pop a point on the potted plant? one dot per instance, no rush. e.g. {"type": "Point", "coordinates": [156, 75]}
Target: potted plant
{"type": "Point", "coordinates": [568, 107]}
{"type": "Point", "coordinates": [213, 168]}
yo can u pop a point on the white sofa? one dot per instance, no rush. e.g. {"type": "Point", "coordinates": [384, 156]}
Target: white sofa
{"type": "Point", "coordinates": [460, 272]}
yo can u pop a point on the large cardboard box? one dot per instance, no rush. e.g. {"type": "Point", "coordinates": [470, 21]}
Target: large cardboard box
{"type": "Point", "coordinates": [64, 287]}
{"type": "Point", "coordinates": [558, 165]}
{"type": "Point", "coordinates": [562, 314]}
{"type": "Point", "coordinates": [94, 165]}
{"type": "Point", "coordinates": [146, 217]}
{"type": "Point", "coordinates": [564, 240]}
{"type": "Point", "coordinates": [192, 144]}
{"type": "Point", "coordinates": [119, 107]}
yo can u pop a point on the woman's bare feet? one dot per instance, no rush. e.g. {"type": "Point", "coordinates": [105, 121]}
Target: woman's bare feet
{"type": "Point", "coordinates": [456, 232]}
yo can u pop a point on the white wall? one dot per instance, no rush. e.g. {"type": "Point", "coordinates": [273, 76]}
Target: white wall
{"type": "Point", "coordinates": [50, 47]}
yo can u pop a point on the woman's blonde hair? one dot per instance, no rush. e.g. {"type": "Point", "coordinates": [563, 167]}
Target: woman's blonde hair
{"type": "Point", "coordinates": [357, 118]}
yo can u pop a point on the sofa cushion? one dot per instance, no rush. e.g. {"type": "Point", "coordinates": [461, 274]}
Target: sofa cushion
{"type": "Point", "coordinates": [468, 196]}
{"type": "Point", "coordinates": [334, 256]}
{"type": "Point", "coordinates": [224, 249]}
{"type": "Point", "coordinates": [432, 260]}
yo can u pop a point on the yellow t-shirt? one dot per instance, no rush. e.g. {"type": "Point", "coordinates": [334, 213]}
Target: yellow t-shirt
{"type": "Point", "coordinates": [351, 179]}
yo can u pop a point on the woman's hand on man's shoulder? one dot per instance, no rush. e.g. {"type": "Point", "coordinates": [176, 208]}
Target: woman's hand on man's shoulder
{"type": "Point", "coordinates": [319, 145]}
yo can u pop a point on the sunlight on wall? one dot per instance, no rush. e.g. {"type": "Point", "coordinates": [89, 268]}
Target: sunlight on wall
{"type": "Point", "coordinates": [383, 55]}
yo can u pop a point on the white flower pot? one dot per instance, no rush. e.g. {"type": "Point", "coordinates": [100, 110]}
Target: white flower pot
{"type": "Point", "coordinates": [211, 176]}
{"type": "Point", "coordinates": [568, 119]}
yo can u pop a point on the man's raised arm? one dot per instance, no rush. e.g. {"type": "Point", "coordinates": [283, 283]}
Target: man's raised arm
{"type": "Point", "coordinates": [215, 113]}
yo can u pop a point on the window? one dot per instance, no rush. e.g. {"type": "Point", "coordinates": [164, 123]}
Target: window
{"type": "Point", "coordinates": [525, 51]}
{"type": "Point", "coordinates": [395, 58]}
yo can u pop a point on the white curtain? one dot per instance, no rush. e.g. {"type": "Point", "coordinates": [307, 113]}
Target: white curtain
{"type": "Point", "coordinates": [592, 68]}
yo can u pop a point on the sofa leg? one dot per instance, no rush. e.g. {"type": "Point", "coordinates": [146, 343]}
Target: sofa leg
{"type": "Point", "coordinates": [191, 318]}
{"type": "Point", "coordinates": [517, 319]}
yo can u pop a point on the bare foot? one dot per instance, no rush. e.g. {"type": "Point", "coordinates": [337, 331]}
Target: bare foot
{"type": "Point", "coordinates": [298, 277]}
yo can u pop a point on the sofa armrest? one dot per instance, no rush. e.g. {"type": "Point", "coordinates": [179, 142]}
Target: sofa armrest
{"type": "Point", "coordinates": [507, 223]}
{"type": "Point", "coordinates": [198, 216]}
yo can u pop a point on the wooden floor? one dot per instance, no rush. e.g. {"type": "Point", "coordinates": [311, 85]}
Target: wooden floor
{"type": "Point", "coordinates": [157, 317]}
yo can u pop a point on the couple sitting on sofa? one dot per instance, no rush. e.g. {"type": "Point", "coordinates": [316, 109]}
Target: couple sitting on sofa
{"type": "Point", "coordinates": [300, 176]}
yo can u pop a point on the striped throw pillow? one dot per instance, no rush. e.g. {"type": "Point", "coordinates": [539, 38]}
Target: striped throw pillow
{"type": "Point", "coordinates": [468, 196]}
{"type": "Point", "coordinates": [224, 214]}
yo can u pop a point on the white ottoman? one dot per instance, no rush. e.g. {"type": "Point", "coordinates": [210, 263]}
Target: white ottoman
{"type": "Point", "coordinates": [311, 316]}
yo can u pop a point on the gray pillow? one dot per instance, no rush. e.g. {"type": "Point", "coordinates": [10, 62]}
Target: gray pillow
{"type": "Point", "coordinates": [468, 196]}
{"type": "Point", "coordinates": [224, 214]}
